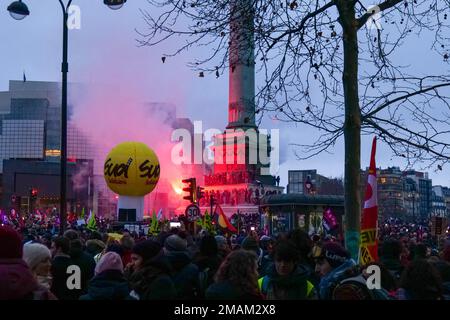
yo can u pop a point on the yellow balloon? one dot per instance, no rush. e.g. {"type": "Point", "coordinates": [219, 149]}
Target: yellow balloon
{"type": "Point", "coordinates": [131, 169]}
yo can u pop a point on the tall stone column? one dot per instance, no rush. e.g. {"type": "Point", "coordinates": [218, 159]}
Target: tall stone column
{"type": "Point", "coordinates": [241, 103]}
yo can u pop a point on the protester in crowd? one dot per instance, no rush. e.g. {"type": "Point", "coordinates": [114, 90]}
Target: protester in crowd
{"type": "Point", "coordinates": [208, 261]}
{"type": "Point", "coordinates": [17, 281]}
{"type": "Point", "coordinates": [94, 247]}
{"type": "Point", "coordinates": [391, 251]}
{"type": "Point", "coordinates": [304, 244]}
{"type": "Point", "coordinates": [420, 281]}
{"type": "Point", "coordinates": [38, 258]}
{"type": "Point", "coordinates": [222, 246]}
{"type": "Point", "coordinates": [84, 261]}
{"type": "Point", "coordinates": [109, 282]}
{"type": "Point", "coordinates": [127, 243]}
{"type": "Point", "coordinates": [149, 273]}
{"type": "Point", "coordinates": [267, 244]}
{"type": "Point", "coordinates": [61, 262]}
{"type": "Point", "coordinates": [332, 260]}
{"type": "Point", "coordinates": [251, 243]}
{"type": "Point", "coordinates": [287, 279]}
{"type": "Point", "coordinates": [184, 272]}
{"type": "Point", "coordinates": [237, 278]}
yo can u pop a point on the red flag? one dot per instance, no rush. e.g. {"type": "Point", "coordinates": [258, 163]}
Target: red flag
{"type": "Point", "coordinates": [369, 224]}
{"type": "Point", "coordinates": [222, 220]}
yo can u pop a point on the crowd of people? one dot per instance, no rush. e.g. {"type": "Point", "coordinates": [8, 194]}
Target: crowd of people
{"type": "Point", "coordinates": [92, 265]}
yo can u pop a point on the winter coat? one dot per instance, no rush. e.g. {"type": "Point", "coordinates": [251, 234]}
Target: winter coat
{"type": "Point", "coordinates": [225, 290]}
{"type": "Point", "coordinates": [153, 281]}
{"type": "Point", "coordinates": [184, 274]}
{"type": "Point", "coordinates": [87, 266]}
{"type": "Point", "coordinates": [17, 282]}
{"type": "Point", "coordinates": [294, 286]}
{"type": "Point", "coordinates": [108, 285]}
{"type": "Point", "coordinates": [59, 267]}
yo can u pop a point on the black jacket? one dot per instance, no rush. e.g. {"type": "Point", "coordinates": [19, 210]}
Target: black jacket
{"type": "Point", "coordinates": [59, 287]}
{"type": "Point", "coordinates": [184, 274]}
{"type": "Point", "coordinates": [108, 285]}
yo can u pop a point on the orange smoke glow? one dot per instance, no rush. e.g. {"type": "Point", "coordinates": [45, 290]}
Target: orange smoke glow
{"type": "Point", "coordinates": [177, 188]}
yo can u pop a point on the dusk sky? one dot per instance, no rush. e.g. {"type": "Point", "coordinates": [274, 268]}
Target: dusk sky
{"type": "Point", "coordinates": [104, 51]}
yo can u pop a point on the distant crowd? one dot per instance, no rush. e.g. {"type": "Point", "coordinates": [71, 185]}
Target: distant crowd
{"type": "Point", "coordinates": [97, 265]}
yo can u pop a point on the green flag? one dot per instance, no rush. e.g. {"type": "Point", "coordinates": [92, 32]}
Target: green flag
{"type": "Point", "coordinates": [206, 223]}
{"type": "Point", "coordinates": [153, 229]}
{"type": "Point", "coordinates": [82, 213]}
{"type": "Point", "coordinates": [92, 224]}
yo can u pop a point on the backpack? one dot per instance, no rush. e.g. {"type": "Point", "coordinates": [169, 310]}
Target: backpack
{"type": "Point", "coordinates": [359, 286]}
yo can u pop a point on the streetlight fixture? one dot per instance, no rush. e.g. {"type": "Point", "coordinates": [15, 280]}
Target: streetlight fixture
{"type": "Point", "coordinates": [19, 10]}
{"type": "Point", "coordinates": [114, 4]}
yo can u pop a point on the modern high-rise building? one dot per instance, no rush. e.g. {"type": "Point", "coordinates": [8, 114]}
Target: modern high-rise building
{"type": "Point", "coordinates": [425, 192]}
{"type": "Point", "coordinates": [30, 133]}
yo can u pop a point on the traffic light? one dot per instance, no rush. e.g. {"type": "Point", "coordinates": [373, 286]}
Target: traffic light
{"type": "Point", "coordinates": [200, 193]}
{"type": "Point", "coordinates": [192, 189]}
{"type": "Point", "coordinates": [33, 193]}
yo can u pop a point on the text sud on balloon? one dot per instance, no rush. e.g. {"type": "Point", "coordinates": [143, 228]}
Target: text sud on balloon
{"type": "Point", "coordinates": [131, 169]}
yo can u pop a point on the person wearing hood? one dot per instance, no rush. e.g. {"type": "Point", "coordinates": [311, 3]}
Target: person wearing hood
{"type": "Point", "coordinates": [109, 282]}
{"type": "Point", "coordinates": [184, 272]}
{"type": "Point", "coordinates": [332, 262]}
{"type": "Point", "coordinates": [149, 273]}
{"type": "Point", "coordinates": [17, 281]}
{"type": "Point", "coordinates": [39, 259]}
{"type": "Point", "coordinates": [287, 279]}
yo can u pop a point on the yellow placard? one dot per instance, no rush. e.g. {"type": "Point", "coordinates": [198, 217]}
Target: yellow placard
{"type": "Point", "coordinates": [131, 169]}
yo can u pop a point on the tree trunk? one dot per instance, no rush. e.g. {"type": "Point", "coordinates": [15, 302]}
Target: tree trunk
{"type": "Point", "coordinates": [352, 128]}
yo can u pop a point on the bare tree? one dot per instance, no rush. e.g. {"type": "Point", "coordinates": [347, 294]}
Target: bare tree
{"type": "Point", "coordinates": [328, 64]}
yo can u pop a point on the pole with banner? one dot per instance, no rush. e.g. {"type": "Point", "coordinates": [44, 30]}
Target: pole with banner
{"type": "Point", "coordinates": [368, 250]}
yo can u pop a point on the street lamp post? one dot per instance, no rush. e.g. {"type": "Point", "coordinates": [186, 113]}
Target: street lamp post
{"type": "Point", "coordinates": [19, 10]}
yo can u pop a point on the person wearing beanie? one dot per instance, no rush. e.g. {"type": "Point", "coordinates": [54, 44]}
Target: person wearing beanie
{"type": "Point", "coordinates": [149, 273]}
{"type": "Point", "coordinates": [109, 282]}
{"type": "Point", "coordinates": [16, 279]}
{"type": "Point", "coordinates": [184, 272]}
{"type": "Point", "coordinates": [38, 258]}
{"type": "Point", "coordinates": [332, 261]}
